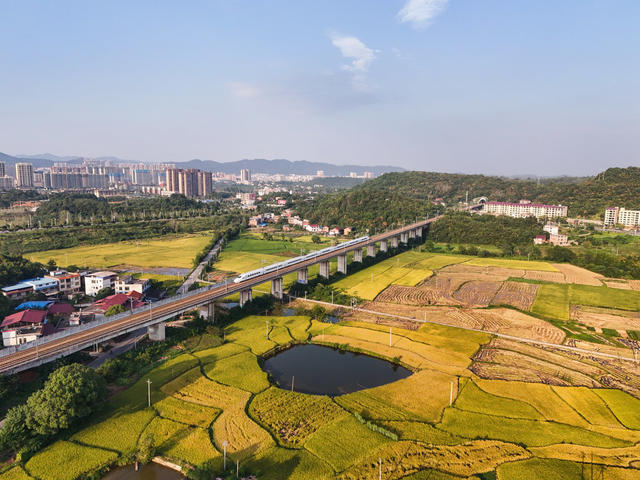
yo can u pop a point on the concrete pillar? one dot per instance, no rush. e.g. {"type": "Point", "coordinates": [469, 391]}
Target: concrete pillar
{"type": "Point", "coordinates": [324, 269]}
{"type": "Point", "coordinates": [276, 288]}
{"type": "Point", "coordinates": [211, 312]}
{"type": "Point", "coordinates": [245, 296]}
{"type": "Point", "coordinates": [156, 332]}
{"type": "Point", "coordinates": [303, 276]}
{"type": "Point", "coordinates": [357, 255]}
{"type": "Point", "coordinates": [371, 250]}
{"type": "Point", "coordinates": [394, 242]}
{"type": "Point", "coordinates": [342, 263]}
{"type": "Point", "coordinates": [419, 232]}
{"type": "Point", "coordinates": [404, 237]}
{"type": "Point", "coordinates": [383, 246]}
{"type": "Point", "coordinates": [412, 233]}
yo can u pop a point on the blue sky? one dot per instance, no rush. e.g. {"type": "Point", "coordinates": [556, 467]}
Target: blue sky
{"type": "Point", "coordinates": [496, 87]}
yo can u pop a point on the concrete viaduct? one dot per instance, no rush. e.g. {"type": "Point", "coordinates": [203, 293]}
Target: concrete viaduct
{"type": "Point", "coordinates": [32, 354]}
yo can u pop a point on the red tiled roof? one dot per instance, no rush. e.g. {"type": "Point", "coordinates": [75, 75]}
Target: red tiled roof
{"type": "Point", "coordinates": [134, 294]}
{"type": "Point", "coordinates": [111, 300]}
{"type": "Point", "coordinates": [61, 308]}
{"type": "Point", "coordinates": [25, 316]}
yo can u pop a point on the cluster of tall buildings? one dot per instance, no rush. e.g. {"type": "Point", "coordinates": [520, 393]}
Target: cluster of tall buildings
{"type": "Point", "coordinates": [189, 182]}
{"type": "Point", "coordinates": [525, 209]}
{"type": "Point", "coordinates": [621, 216]}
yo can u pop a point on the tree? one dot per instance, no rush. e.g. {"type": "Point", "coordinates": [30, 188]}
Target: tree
{"type": "Point", "coordinates": [14, 433]}
{"type": "Point", "coordinates": [71, 393]}
{"type": "Point", "coordinates": [103, 292]}
{"type": "Point", "coordinates": [315, 239]}
{"type": "Point", "coordinates": [114, 310]}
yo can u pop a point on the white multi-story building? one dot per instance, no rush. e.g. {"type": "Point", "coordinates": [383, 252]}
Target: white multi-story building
{"type": "Point", "coordinates": [525, 209]}
{"type": "Point", "coordinates": [94, 282]}
{"type": "Point", "coordinates": [615, 215]}
{"type": "Point", "coordinates": [128, 284]}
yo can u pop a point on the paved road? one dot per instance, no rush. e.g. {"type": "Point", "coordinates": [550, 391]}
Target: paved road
{"type": "Point", "coordinates": [123, 346]}
{"type": "Point", "coordinates": [195, 274]}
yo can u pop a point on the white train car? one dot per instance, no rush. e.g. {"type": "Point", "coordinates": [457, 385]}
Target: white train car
{"type": "Point", "coordinates": [296, 260]}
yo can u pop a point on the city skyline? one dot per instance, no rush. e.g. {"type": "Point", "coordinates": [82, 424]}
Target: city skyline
{"type": "Point", "coordinates": [492, 87]}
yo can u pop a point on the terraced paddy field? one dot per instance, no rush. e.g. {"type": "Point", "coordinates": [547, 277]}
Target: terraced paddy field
{"type": "Point", "coordinates": [475, 405]}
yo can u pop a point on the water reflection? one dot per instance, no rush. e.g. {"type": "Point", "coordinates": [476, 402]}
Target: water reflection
{"type": "Point", "coordinates": [323, 370]}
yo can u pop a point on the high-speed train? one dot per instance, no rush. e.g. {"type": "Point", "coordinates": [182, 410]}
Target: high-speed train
{"type": "Point", "coordinates": [292, 261]}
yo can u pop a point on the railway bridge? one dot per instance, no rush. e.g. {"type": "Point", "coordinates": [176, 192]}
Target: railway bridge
{"type": "Point", "coordinates": [153, 316]}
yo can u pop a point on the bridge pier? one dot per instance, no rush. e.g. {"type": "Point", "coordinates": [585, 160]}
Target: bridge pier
{"type": "Point", "coordinates": [276, 288]}
{"type": "Point", "coordinates": [383, 246]}
{"type": "Point", "coordinates": [404, 237]}
{"type": "Point", "coordinates": [412, 234]}
{"type": "Point", "coordinates": [245, 296]}
{"type": "Point", "coordinates": [394, 242]}
{"type": "Point", "coordinates": [211, 312]}
{"type": "Point", "coordinates": [324, 269]}
{"type": "Point", "coordinates": [156, 332]}
{"type": "Point", "coordinates": [342, 263]}
{"type": "Point", "coordinates": [419, 232]}
{"type": "Point", "coordinates": [357, 255]}
{"type": "Point", "coordinates": [303, 276]}
{"type": "Point", "coordinates": [371, 250]}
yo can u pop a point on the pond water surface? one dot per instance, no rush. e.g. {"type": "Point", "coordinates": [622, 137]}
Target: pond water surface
{"type": "Point", "coordinates": [150, 471]}
{"type": "Point", "coordinates": [321, 370]}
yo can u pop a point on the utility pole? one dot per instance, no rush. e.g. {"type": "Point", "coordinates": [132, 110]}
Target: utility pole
{"type": "Point", "coordinates": [224, 446]}
{"type": "Point", "coordinates": [293, 379]}
{"type": "Point", "coordinates": [148, 392]}
{"type": "Point", "coordinates": [379, 468]}
{"type": "Point", "coordinates": [451, 394]}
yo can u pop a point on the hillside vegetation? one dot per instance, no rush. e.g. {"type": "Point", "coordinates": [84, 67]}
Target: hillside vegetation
{"type": "Point", "coordinates": [401, 197]}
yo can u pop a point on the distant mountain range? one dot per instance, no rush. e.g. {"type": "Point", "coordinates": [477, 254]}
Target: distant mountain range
{"type": "Point", "coordinates": [300, 167]}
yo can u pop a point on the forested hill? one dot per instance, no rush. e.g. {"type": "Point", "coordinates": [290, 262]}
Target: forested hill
{"type": "Point", "coordinates": [398, 197]}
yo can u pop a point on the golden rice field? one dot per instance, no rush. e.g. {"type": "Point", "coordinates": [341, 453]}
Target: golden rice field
{"type": "Point", "coordinates": [204, 398]}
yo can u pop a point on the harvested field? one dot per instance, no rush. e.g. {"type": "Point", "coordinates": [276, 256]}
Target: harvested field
{"type": "Point", "coordinates": [606, 318]}
{"type": "Point", "coordinates": [424, 295]}
{"type": "Point", "coordinates": [477, 292]}
{"type": "Point", "coordinates": [634, 284]}
{"type": "Point", "coordinates": [556, 277]}
{"type": "Point", "coordinates": [619, 457]}
{"type": "Point", "coordinates": [582, 276]}
{"type": "Point", "coordinates": [513, 264]}
{"type": "Point", "coordinates": [500, 320]}
{"type": "Point", "coordinates": [485, 272]}
{"type": "Point", "coordinates": [617, 283]}
{"type": "Point", "coordinates": [517, 294]}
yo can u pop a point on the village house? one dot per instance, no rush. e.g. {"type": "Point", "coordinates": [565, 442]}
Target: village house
{"type": "Point", "coordinates": [94, 282]}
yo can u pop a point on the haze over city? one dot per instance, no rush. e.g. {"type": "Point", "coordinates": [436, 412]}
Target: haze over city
{"type": "Point", "coordinates": [494, 87]}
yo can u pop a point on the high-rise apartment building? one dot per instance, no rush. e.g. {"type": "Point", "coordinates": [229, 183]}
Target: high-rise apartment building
{"type": "Point", "coordinates": [204, 183]}
{"type": "Point", "coordinates": [245, 175]}
{"type": "Point", "coordinates": [524, 209]}
{"type": "Point", "coordinates": [190, 182]}
{"type": "Point", "coordinates": [24, 175]}
{"type": "Point", "coordinates": [3, 169]}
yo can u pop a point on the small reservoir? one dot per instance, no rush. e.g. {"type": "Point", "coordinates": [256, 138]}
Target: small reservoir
{"type": "Point", "coordinates": [321, 370]}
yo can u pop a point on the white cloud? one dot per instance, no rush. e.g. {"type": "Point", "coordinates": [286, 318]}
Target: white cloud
{"type": "Point", "coordinates": [244, 90]}
{"type": "Point", "coordinates": [353, 48]}
{"type": "Point", "coordinates": [420, 12]}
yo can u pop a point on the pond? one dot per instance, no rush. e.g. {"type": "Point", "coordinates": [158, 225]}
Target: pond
{"type": "Point", "coordinates": [150, 471]}
{"type": "Point", "coordinates": [321, 370]}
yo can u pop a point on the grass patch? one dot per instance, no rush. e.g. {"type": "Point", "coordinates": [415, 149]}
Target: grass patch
{"type": "Point", "coordinates": [552, 301]}
{"type": "Point", "coordinates": [67, 461]}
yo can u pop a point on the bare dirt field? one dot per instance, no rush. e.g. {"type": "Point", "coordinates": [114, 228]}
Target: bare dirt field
{"type": "Point", "coordinates": [634, 284]}
{"type": "Point", "coordinates": [573, 274]}
{"type": "Point", "coordinates": [500, 320]}
{"type": "Point", "coordinates": [424, 295]}
{"type": "Point", "coordinates": [606, 318]}
{"type": "Point", "coordinates": [516, 294]}
{"type": "Point", "coordinates": [617, 283]}
{"type": "Point", "coordinates": [556, 277]}
{"type": "Point", "coordinates": [477, 292]}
